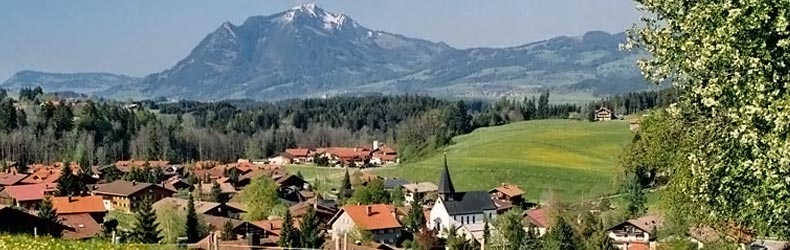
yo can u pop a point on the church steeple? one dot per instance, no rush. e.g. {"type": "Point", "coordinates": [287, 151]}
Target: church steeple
{"type": "Point", "coordinates": [446, 189]}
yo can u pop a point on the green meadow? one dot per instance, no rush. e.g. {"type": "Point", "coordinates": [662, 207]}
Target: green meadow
{"type": "Point", "coordinates": [570, 160]}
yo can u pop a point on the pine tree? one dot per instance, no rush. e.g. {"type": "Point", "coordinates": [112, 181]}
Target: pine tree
{"type": "Point", "coordinates": [227, 231]}
{"type": "Point", "coordinates": [192, 230]}
{"type": "Point", "coordinates": [47, 211]}
{"type": "Point", "coordinates": [216, 192]}
{"type": "Point", "coordinates": [532, 240]}
{"type": "Point", "coordinates": [146, 229]}
{"type": "Point", "coordinates": [346, 184]}
{"type": "Point", "coordinates": [486, 230]}
{"type": "Point", "coordinates": [635, 198]}
{"type": "Point", "coordinates": [289, 236]}
{"type": "Point", "coordinates": [68, 183]}
{"type": "Point", "coordinates": [562, 236]}
{"type": "Point", "coordinates": [415, 220]}
{"type": "Point", "coordinates": [310, 230]}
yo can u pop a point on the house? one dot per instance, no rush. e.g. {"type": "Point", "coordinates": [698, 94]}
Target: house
{"type": "Point", "coordinates": [202, 207]}
{"type": "Point", "coordinates": [299, 155]}
{"type": "Point", "coordinates": [506, 197]}
{"type": "Point", "coordinates": [127, 195]}
{"type": "Point", "coordinates": [81, 226]}
{"type": "Point", "coordinates": [281, 159]}
{"type": "Point", "coordinates": [603, 114]}
{"type": "Point", "coordinates": [15, 221]}
{"type": "Point", "coordinates": [537, 219]}
{"type": "Point", "coordinates": [639, 231]}
{"type": "Point", "coordinates": [27, 196]}
{"type": "Point", "coordinates": [176, 184]}
{"type": "Point", "coordinates": [93, 206]}
{"type": "Point", "coordinates": [393, 183]}
{"type": "Point", "coordinates": [455, 209]}
{"type": "Point", "coordinates": [418, 191]}
{"type": "Point", "coordinates": [227, 191]}
{"type": "Point", "coordinates": [383, 155]}
{"type": "Point", "coordinates": [358, 156]}
{"type": "Point", "coordinates": [254, 235]}
{"type": "Point", "coordinates": [324, 209]}
{"type": "Point", "coordinates": [379, 219]}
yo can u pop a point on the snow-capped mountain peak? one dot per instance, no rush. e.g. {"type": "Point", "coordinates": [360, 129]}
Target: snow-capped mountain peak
{"type": "Point", "coordinates": [329, 21]}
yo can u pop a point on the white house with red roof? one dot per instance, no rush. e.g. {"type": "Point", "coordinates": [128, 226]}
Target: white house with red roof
{"type": "Point", "coordinates": [379, 219]}
{"type": "Point", "coordinates": [538, 219]}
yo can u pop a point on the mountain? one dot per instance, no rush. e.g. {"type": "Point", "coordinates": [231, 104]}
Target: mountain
{"type": "Point", "coordinates": [307, 52]}
{"type": "Point", "coordinates": [86, 83]}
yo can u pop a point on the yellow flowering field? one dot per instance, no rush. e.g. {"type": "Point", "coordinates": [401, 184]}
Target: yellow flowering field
{"type": "Point", "coordinates": [18, 242]}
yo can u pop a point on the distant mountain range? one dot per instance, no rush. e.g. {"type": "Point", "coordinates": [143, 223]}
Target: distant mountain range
{"type": "Point", "coordinates": [309, 52]}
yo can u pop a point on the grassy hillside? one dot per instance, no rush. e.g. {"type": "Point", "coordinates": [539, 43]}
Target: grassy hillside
{"type": "Point", "coordinates": [571, 159]}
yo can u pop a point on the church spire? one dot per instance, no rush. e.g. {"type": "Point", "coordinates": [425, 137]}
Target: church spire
{"type": "Point", "coordinates": [446, 189]}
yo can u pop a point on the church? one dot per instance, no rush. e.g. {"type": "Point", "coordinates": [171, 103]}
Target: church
{"type": "Point", "coordinates": [459, 209]}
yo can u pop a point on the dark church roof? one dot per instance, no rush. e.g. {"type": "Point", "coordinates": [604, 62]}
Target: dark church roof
{"type": "Point", "coordinates": [445, 183]}
{"type": "Point", "coordinates": [472, 202]}
{"type": "Point", "coordinates": [462, 202]}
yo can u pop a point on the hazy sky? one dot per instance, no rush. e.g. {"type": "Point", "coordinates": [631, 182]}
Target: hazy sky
{"type": "Point", "coordinates": [137, 37]}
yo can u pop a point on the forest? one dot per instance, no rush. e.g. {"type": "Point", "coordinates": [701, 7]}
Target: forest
{"type": "Point", "coordinates": [40, 127]}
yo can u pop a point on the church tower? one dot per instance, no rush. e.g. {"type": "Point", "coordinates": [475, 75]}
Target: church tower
{"type": "Point", "coordinates": [446, 189]}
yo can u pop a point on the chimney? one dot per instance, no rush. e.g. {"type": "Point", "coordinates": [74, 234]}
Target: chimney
{"type": "Point", "coordinates": [375, 145]}
{"type": "Point", "coordinates": [369, 209]}
{"type": "Point", "coordinates": [134, 183]}
{"type": "Point", "coordinates": [70, 198]}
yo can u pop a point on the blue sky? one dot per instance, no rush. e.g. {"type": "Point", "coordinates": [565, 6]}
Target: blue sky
{"type": "Point", "coordinates": [137, 37]}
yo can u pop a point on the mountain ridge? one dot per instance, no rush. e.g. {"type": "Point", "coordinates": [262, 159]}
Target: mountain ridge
{"type": "Point", "coordinates": [309, 52]}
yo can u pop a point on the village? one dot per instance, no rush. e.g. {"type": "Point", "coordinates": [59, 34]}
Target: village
{"type": "Point", "coordinates": [213, 189]}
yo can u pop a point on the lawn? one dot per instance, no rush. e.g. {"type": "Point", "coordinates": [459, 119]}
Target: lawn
{"type": "Point", "coordinates": [572, 160]}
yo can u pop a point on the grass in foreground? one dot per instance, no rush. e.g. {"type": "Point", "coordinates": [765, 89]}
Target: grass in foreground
{"type": "Point", "coordinates": [572, 160]}
{"type": "Point", "coordinates": [24, 242]}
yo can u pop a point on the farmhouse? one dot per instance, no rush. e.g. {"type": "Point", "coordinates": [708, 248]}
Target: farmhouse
{"type": "Point", "coordinates": [26, 196]}
{"type": "Point", "coordinates": [82, 226]}
{"type": "Point", "coordinates": [538, 219]}
{"type": "Point", "coordinates": [418, 191]}
{"type": "Point", "coordinates": [127, 195]}
{"type": "Point", "coordinates": [379, 219]}
{"type": "Point", "coordinates": [507, 197]}
{"type": "Point", "coordinates": [603, 114]}
{"type": "Point", "coordinates": [455, 209]}
{"type": "Point", "coordinates": [639, 231]}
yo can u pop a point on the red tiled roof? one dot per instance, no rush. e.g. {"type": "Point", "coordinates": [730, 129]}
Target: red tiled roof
{"type": "Point", "coordinates": [298, 152]}
{"type": "Point", "coordinates": [537, 217]}
{"type": "Point", "coordinates": [509, 190]}
{"type": "Point", "coordinates": [82, 224]}
{"type": "Point", "coordinates": [348, 153]}
{"type": "Point", "coordinates": [8, 179]}
{"type": "Point", "coordinates": [75, 205]}
{"type": "Point", "coordinates": [30, 192]}
{"type": "Point", "coordinates": [46, 174]}
{"type": "Point", "coordinates": [372, 217]}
